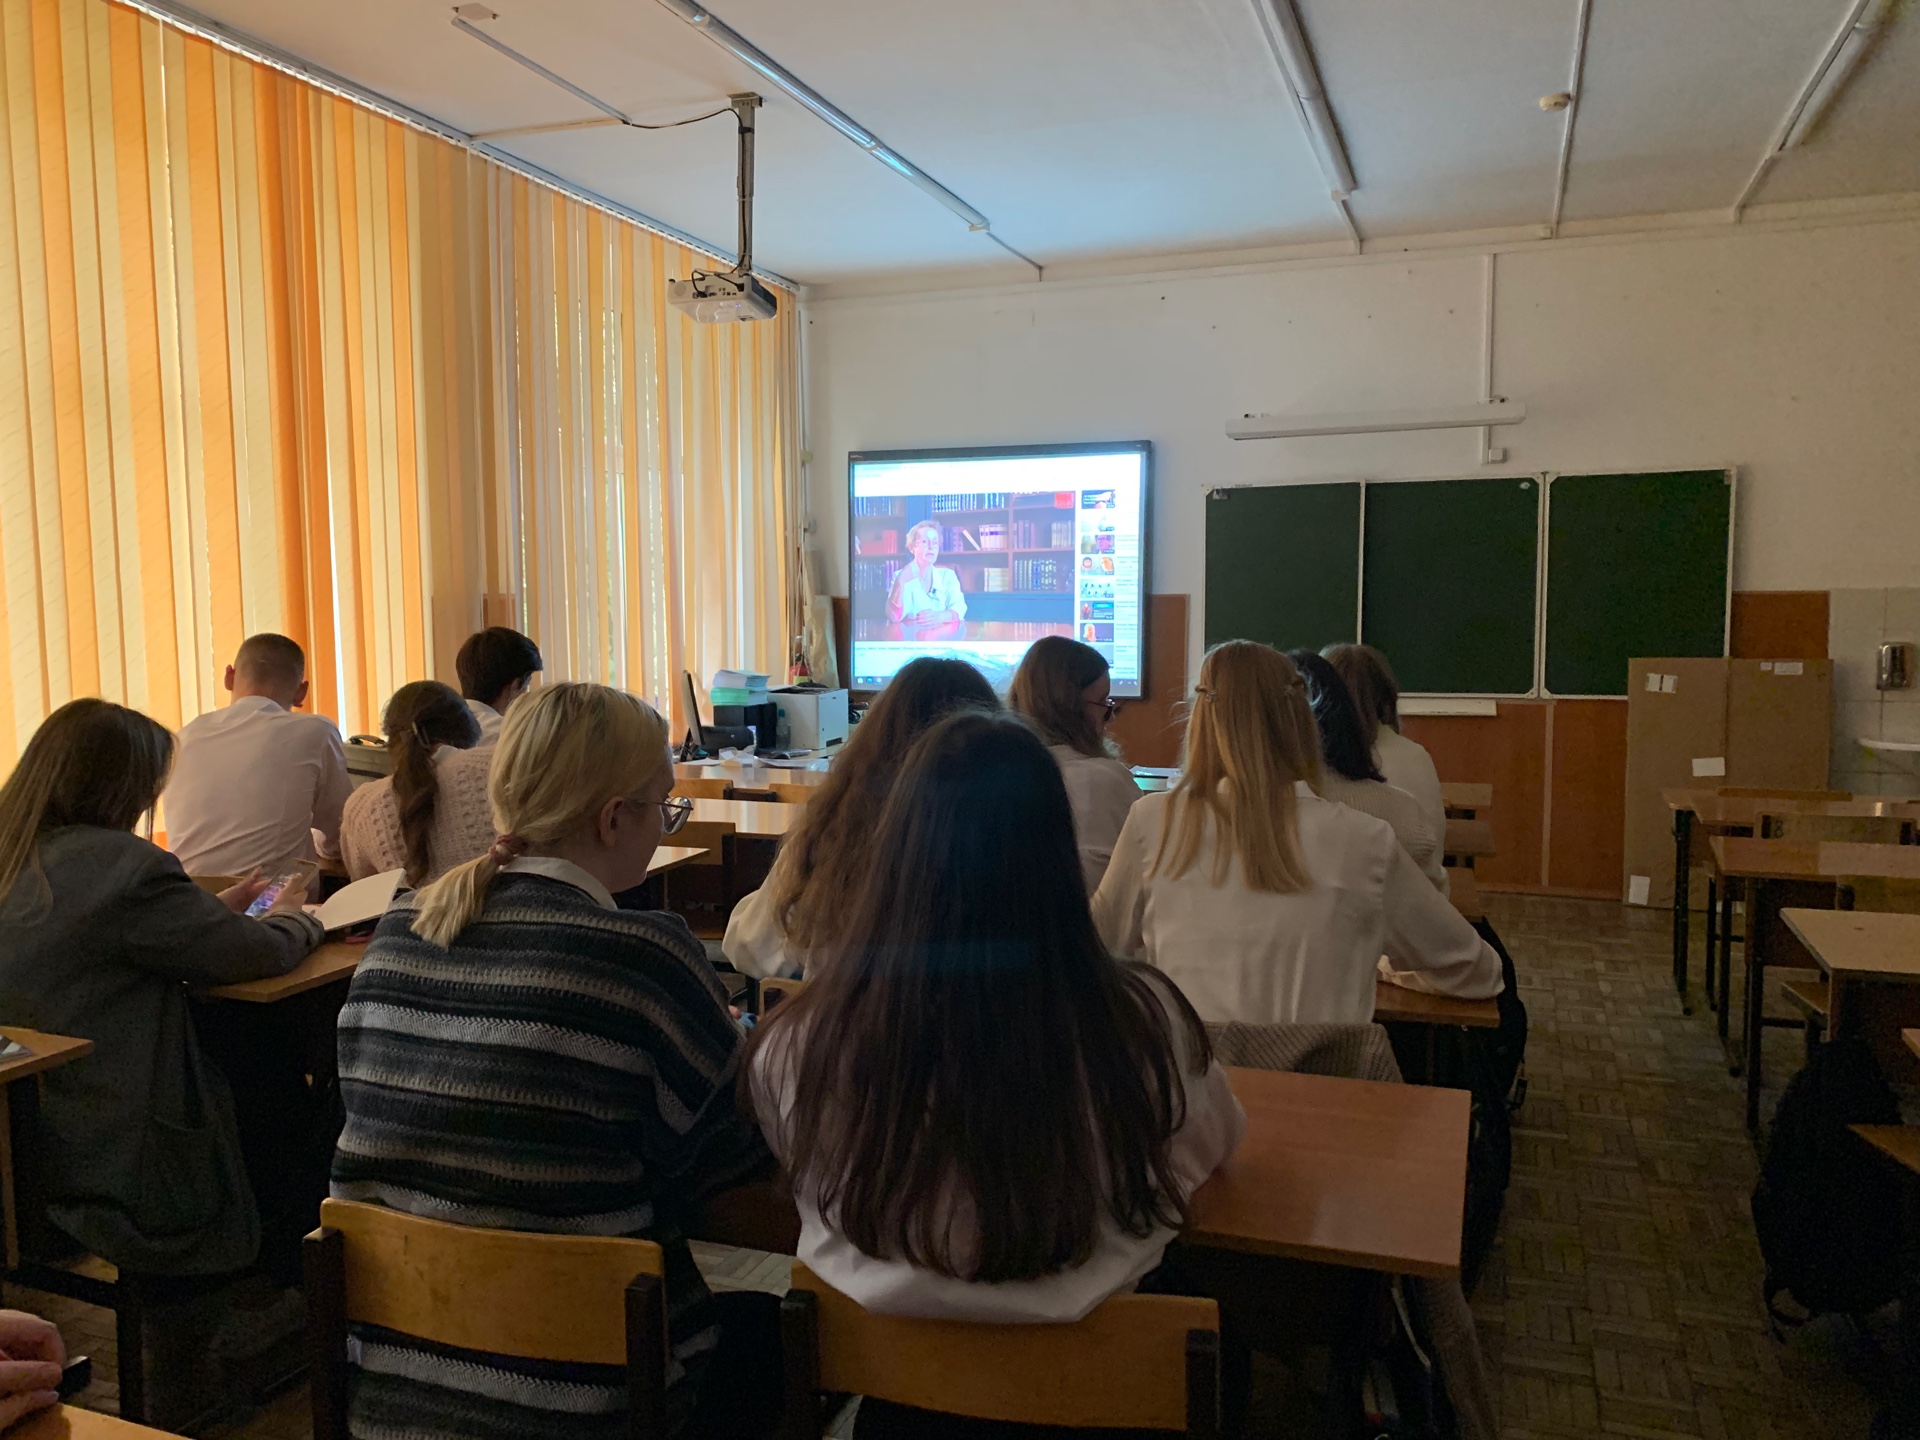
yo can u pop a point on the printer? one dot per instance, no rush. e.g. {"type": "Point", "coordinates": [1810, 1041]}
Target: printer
{"type": "Point", "coordinates": [811, 718]}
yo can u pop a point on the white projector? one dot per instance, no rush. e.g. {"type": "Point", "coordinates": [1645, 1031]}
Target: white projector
{"type": "Point", "coordinates": [712, 296]}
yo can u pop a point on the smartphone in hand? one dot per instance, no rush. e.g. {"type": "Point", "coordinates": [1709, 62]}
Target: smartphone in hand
{"type": "Point", "coordinates": [264, 901]}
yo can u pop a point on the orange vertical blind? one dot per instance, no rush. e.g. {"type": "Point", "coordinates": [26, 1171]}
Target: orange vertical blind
{"type": "Point", "coordinates": [270, 360]}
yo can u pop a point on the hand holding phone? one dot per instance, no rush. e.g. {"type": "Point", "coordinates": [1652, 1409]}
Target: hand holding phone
{"type": "Point", "coordinates": [290, 888]}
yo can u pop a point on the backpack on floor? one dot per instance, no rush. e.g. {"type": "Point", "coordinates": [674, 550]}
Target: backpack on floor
{"type": "Point", "coordinates": [1827, 1233]}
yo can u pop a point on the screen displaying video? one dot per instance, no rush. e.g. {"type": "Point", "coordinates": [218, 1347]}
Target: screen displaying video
{"type": "Point", "coordinates": [975, 554]}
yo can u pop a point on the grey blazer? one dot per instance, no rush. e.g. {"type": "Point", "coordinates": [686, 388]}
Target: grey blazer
{"type": "Point", "coordinates": [99, 937]}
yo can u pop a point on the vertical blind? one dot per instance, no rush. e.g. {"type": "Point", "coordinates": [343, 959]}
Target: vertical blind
{"type": "Point", "coordinates": [270, 360]}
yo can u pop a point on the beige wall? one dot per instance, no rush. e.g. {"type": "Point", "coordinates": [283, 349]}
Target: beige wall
{"type": "Point", "coordinates": [1792, 353]}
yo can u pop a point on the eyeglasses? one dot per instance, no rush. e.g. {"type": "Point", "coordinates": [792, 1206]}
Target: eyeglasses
{"type": "Point", "coordinates": [674, 814]}
{"type": "Point", "coordinates": [1110, 705]}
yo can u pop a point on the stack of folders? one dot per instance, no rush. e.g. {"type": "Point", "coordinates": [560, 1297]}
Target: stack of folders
{"type": "Point", "coordinates": [738, 687]}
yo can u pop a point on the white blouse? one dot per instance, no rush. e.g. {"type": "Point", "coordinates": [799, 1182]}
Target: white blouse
{"type": "Point", "coordinates": [1212, 1129]}
{"type": "Point", "coordinates": [941, 591]}
{"type": "Point", "coordinates": [756, 942]}
{"type": "Point", "coordinates": [1101, 791]}
{"type": "Point", "coordinates": [1408, 767]}
{"type": "Point", "coordinates": [1400, 810]}
{"type": "Point", "coordinates": [1307, 958]}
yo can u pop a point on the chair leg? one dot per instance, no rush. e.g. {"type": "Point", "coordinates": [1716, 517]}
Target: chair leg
{"type": "Point", "coordinates": [1203, 1385]}
{"type": "Point", "coordinates": [1711, 936]}
{"type": "Point", "coordinates": [1726, 965]}
{"type": "Point", "coordinates": [323, 1257]}
{"type": "Point", "coordinates": [800, 1366]}
{"type": "Point", "coordinates": [130, 1337]}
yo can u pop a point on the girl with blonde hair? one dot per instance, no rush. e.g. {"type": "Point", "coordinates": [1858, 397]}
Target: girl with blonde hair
{"type": "Point", "coordinates": [1266, 903]}
{"type": "Point", "coordinates": [1065, 690]}
{"type": "Point", "coordinates": [516, 1052]}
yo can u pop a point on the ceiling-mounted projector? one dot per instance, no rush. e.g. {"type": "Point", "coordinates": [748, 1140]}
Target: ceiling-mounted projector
{"type": "Point", "coordinates": [714, 296]}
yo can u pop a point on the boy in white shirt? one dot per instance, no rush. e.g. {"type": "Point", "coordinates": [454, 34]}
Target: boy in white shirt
{"type": "Point", "coordinates": [496, 667]}
{"type": "Point", "coordinates": [256, 785]}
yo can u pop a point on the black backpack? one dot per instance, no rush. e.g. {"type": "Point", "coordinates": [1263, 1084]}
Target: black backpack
{"type": "Point", "coordinates": [1827, 1235]}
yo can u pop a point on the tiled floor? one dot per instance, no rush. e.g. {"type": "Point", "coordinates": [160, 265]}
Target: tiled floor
{"type": "Point", "coordinates": [1623, 1297]}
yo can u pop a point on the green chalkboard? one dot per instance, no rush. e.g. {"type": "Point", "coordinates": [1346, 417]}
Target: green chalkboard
{"type": "Point", "coordinates": [1283, 564]}
{"type": "Point", "coordinates": [1451, 570]}
{"type": "Point", "coordinates": [1636, 565]}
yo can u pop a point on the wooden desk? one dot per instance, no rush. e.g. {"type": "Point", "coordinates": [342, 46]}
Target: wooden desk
{"type": "Point", "coordinates": [1856, 949]}
{"type": "Point", "coordinates": [755, 819]}
{"type": "Point", "coordinates": [335, 961]}
{"type": "Point", "coordinates": [70, 1422]}
{"type": "Point", "coordinates": [1342, 1172]}
{"type": "Point", "coordinates": [1396, 1002]}
{"type": "Point", "coordinates": [49, 1051]}
{"type": "Point", "coordinates": [751, 777]}
{"type": "Point", "coordinates": [1901, 1145]}
{"type": "Point", "coordinates": [1780, 873]}
{"type": "Point", "coordinates": [1464, 797]}
{"type": "Point", "coordinates": [1469, 838]}
{"type": "Point", "coordinates": [1715, 814]}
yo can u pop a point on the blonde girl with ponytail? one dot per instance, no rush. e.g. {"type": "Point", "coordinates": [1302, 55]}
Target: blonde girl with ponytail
{"type": "Point", "coordinates": [1264, 902]}
{"type": "Point", "coordinates": [518, 1051]}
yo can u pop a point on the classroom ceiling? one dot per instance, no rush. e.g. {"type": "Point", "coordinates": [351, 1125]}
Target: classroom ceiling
{"type": "Point", "coordinates": [1097, 129]}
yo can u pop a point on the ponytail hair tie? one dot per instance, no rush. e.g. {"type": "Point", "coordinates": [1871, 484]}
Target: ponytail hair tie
{"type": "Point", "coordinates": [506, 848]}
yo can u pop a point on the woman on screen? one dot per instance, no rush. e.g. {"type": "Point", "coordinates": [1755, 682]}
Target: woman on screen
{"type": "Point", "coordinates": [925, 593]}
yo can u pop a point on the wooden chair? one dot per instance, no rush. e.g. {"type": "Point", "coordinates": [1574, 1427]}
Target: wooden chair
{"type": "Point", "coordinates": [1901, 897]}
{"type": "Point", "coordinates": [793, 794]}
{"type": "Point", "coordinates": [752, 792]}
{"type": "Point", "coordinates": [1812, 997]}
{"type": "Point", "coordinates": [702, 789]}
{"type": "Point", "coordinates": [774, 989]}
{"type": "Point", "coordinates": [1464, 890]}
{"type": "Point", "coordinates": [705, 882]}
{"type": "Point", "coordinates": [1138, 1362]}
{"type": "Point", "coordinates": [1814, 829]}
{"type": "Point", "coordinates": [1762, 792]}
{"type": "Point", "coordinates": [561, 1298]}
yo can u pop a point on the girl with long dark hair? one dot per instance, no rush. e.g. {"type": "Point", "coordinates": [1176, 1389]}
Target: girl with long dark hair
{"type": "Point", "coordinates": [1065, 689]}
{"type": "Point", "coordinates": [431, 813]}
{"type": "Point", "coordinates": [983, 1114]}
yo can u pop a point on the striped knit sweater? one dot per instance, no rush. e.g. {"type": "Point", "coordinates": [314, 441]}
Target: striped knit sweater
{"type": "Point", "coordinates": [562, 1068]}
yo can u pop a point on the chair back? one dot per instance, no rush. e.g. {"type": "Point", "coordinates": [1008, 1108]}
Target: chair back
{"type": "Point", "coordinates": [708, 835]}
{"type": "Point", "coordinates": [214, 884]}
{"type": "Point", "coordinates": [702, 789]}
{"type": "Point", "coordinates": [1874, 892]}
{"type": "Point", "coordinates": [580, 1299]}
{"type": "Point", "coordinates": [1762, 792]}
{"type": "Point", "coordinates": [793, 794]}
{"type": "Point", "coordinates": [752, 792]}
{"type": "Point", "coordinates": [1138, 1362]}
{"type": "Point", "coordinates": [774, 989]}
{"type": "Point", "coordinates": [1850, 829]}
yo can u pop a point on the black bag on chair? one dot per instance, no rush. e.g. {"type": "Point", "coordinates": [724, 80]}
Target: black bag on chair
{"type": "Point", "coordinates": [1826, 1231]}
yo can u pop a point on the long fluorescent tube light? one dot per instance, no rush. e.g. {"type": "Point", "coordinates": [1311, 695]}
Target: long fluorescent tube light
{"type": "Point", "coordinates": [1851, 45]}
{"type": "Point", "coordinates": [751, 55]}
{"type": "Point", "coordinates": [1376, 422]}
{"type": "Point", "coordinates": [1281, 22]}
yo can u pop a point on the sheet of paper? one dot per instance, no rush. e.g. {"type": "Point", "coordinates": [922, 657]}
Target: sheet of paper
{"type": "Point", "coordinates": [1709, 766]}
{"type": "Point", "coordinates": [1789, 667]}
{"type": "Point", "coordinates": [1639, 887]}
{"type": "Point", "coordinates": [1669, 683]}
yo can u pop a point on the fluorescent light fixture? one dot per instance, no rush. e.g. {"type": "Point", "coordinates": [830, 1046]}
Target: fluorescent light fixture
{"type": "Point", "coordinates": [1289, 41]}
{"type": "Point", "coordinates": [751, 55]}
{"type": "Point", "coordinates": [1830, 77]}
{"type": "Point", "coordinates": [1376, 422]}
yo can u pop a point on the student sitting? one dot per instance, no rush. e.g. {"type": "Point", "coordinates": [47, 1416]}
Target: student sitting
{"type": "Point", "coordinates": [826, 856]}
{"type": "Point", "coordinates": [517, 1053]}
{"type": "Point", "coordinates": [1065, 689]}
{"type": "Point", "coordinates": [145, 1162]}
{"type": "Point", "coordinates": [984, 1116]}
{"type": "Point", "coordinates": [496, 667]}
{"type": "Point", "coordinates": [1265, 903]}
{"type": "Point", "coordinates": [1404, 763]}
{"type": "Point", "coordinates": [1349, 776]}
{"type": "Point", "coordinates": [432, 812]}
{"type": "Point", "coordinates": [255, 783]}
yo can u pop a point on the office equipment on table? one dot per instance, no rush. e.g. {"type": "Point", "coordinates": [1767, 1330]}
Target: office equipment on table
{"type": "Point", "coordinates": [810, 718]}
{"type": "Point", "coordinates": [714, 737]}
{"type": "Point", "coordinates": [1636, 565]}
{"type": "Point", "coordinates": [1135, 1361]}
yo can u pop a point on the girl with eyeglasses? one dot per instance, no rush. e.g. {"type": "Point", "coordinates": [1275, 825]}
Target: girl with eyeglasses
{"type": "Point", "coordinates": [516, 1052]}
{"type": "Point", "coordinates": [1065, 690]}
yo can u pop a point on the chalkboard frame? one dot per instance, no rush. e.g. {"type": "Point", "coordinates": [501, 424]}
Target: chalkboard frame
{"type": "Point", "coordinates": [1732, 476]}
